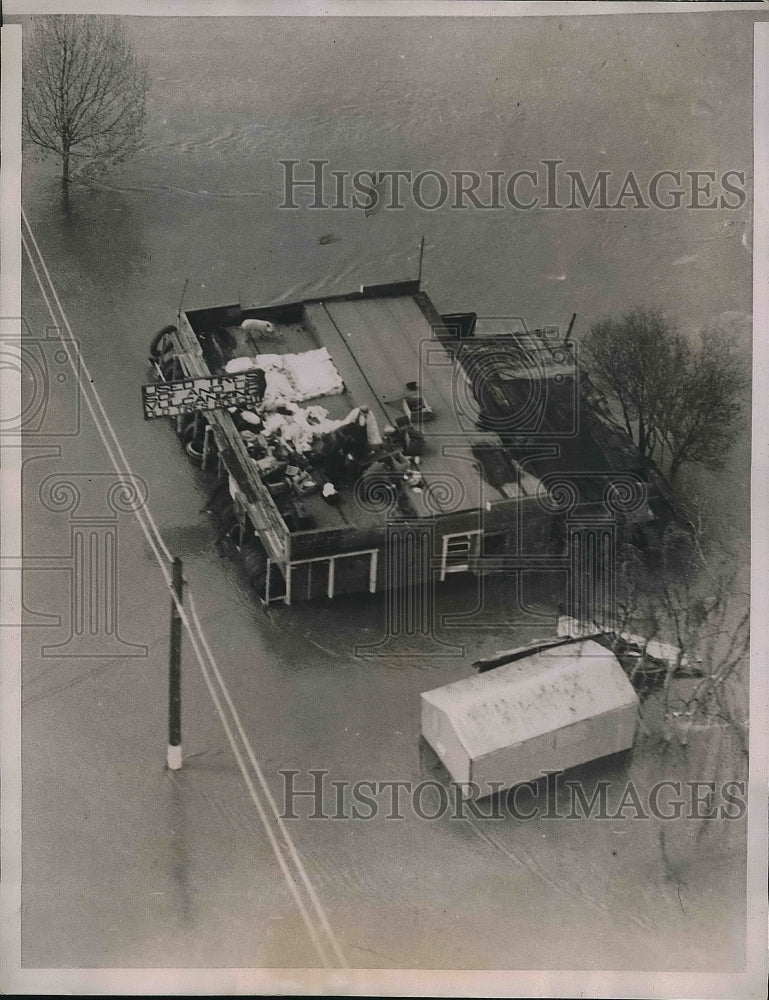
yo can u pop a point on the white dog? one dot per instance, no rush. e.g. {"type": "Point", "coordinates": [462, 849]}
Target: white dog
{"type": "Point", "coordinates": [258, 327]}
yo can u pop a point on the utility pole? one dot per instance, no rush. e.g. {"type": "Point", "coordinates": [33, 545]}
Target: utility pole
{"type": "Point", "coordinates": [174, 754]}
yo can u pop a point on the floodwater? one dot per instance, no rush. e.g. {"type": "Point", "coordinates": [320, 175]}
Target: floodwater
{"type": "Point", "coordinates": [127, 865]}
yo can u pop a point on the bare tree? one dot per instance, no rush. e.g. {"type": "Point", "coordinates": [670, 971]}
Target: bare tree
{"type": "Point", "coordinates": [678, 402]}
{"type": "Point", "coordinates": [629, 359]}
{"type": "Point", "coordinates": [692, 601]}
{"type": "Point", "coordinates": [84, 92]}
{"type": "Point", "coordinates": [710, 617]}
{"type": "Point", "coordinates": [702, 407]}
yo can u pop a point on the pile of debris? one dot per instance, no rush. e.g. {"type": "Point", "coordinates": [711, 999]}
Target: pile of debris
{"type": "Point", "coordinates": [647, 662]}
{"type": "Point", "coordinates": [299, 450]}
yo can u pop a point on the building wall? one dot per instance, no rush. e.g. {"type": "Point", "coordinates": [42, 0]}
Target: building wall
{"type": "Point", "coordinates": [517, 527]}
{"type": "Point", "coordinates": [440, 734]}
{"type": "Point", "coordinates": [586, 740]}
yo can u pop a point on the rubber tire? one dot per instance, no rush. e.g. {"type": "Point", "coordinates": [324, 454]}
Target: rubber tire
{"type": "Point", "coordinates": [155, 350]}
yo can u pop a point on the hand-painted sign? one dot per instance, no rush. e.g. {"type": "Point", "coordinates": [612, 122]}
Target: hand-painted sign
{"type": "Point", "coordinates": [188, 395]}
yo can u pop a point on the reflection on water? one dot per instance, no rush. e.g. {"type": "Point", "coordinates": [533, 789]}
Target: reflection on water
{"type": "Point", "coordinates": [178, 838]}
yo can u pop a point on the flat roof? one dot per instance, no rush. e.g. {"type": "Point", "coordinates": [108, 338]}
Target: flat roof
{"type": "Point", "coordinates": [379, 345]}
{"type": "Point", "coordinates": [380, 340]}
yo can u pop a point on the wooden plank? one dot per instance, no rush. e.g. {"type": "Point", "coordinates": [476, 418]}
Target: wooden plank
{"type": "Point", "coordinates": [262, 511]}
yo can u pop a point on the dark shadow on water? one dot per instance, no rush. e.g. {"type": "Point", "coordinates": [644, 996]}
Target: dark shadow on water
{"type": "Point", "coordinates": [178, 838]}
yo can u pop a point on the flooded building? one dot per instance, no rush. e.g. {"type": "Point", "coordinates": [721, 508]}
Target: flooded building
{"type": "Point", "coordinates": [534, 390]}
{"type": "Point", "coordinates": [546, 710]}
{"type": "Point", "coordinates": [383, 448]}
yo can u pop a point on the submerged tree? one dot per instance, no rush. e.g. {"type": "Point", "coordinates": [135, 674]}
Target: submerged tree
{"type": "Point", "coordinates": [692, 598]}
{"type": "Point", "coordinates": [630, 359]}
{"type": "Point", "coordinates": [702, 405]}
{"type": "Point", "coordinates": [678, 402]}
{"type": "Point", "coordinates": [84, 92]}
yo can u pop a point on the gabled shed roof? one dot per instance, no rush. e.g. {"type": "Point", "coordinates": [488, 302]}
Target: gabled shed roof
{"type": "Point", "coordinates": [541, 693]}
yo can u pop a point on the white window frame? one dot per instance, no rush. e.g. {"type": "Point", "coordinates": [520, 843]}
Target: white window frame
{"type": "Point", "coordinates": [474, 536]}
{"type": "Point", "coordinates": [373, 555]}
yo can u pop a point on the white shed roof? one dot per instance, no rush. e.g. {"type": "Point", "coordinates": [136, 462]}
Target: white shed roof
{"type": "Point", "coordinates": [532, 696]}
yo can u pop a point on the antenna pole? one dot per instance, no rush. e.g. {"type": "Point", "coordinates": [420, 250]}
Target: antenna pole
{"type": "Point", "coordinates": [571, 326]}
{"type": "Point", "coordinates": [179, 310]}
{"type": "Point", "coordinates": [421, 255]}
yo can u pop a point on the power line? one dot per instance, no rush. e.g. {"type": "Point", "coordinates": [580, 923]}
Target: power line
{"type": "Point", "coordinates": [322, 937]}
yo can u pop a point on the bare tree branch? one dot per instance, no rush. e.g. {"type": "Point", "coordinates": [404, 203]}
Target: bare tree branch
{"type": "Point", "coordinates": [84, 91]}
{"type": "Point", "coordinates": [674, 399]}
{"type": "Point", "coordinates": [692, 599]}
